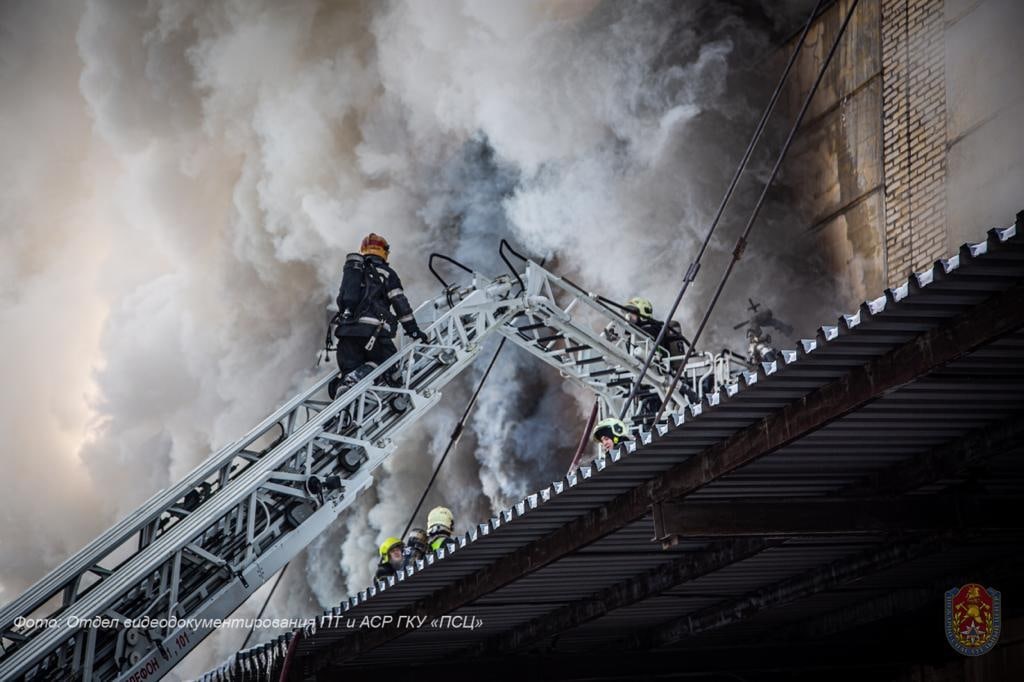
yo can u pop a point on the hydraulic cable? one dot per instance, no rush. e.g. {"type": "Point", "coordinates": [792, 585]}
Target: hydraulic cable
{"type": "Point", "coordinates": [741, 242]}
{"type": "Point", "coordinates": [456, 434]}
{"type": "Point", "coordinates": [502, 245]}
{"type": "Point", "coordinates": [694, 267]}
{"type": "Point", "coordinates": [430, 266]}
{"type": "Point", "coordinates": [584, 439]}
{"type": "Point", "coordinates": [280, 574]}
{"type": "Point", "coordinates": [448, 288]}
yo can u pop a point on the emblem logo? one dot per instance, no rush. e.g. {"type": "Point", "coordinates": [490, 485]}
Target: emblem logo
{"type": "Point", "coordinates": [973, 619]}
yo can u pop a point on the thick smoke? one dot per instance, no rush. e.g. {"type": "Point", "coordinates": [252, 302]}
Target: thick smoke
{"type": "Point", "coordinates": [189, 176]}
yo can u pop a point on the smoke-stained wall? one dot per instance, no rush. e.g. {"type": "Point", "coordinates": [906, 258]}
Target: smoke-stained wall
{"type": "Point", "coordinates": [834, 172]}
{"type": "Point", "coordinates": [914, 144]}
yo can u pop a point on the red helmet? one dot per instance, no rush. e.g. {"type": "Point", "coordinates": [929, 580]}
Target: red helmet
{"type": "Point", "coordinates": [375, 245]}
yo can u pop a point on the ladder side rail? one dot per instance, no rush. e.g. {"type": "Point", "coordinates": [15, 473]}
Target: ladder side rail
{"type": "Point", "coordinates": [196, 524]}
{"type": "Point", "coordinates": [590, 300]}
{"type": "Point", "coordinates": [540, 288]}
{"type": "Point", "coordinates": [73, 568]}
{"type": "Point", "coordinates": [567, 370]}
{"type": "Point", "coordinates": [285, 547]}
{"type": "Point", "coordinates": [181, 535]}
{"type": "Point", "coordinates": [642, 343]}
{"type": "Point", "coordinates": [554, 317]}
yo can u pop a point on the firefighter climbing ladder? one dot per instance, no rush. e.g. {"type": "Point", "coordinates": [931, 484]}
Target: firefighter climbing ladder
{"type": "Point", "coordinates": [199, 549]}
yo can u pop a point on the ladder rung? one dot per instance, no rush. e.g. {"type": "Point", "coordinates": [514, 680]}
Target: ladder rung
{"type": "Point", "coordinates": [553, 337]}
{"type": "Point", "coordinates": [590, 361]}
{"type": "Point", "coordinates": [620, 382]}
{"type": "Point", "coordinates": [531, 327]}
{"type": "Point", "coordinates": [575, 349]}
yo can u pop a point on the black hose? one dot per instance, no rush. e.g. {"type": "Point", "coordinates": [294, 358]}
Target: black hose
{"type": "Point", "coordinates": [741, 242]}
{"type": "Point", "coordinates": [694, 267]}
{"type": "Point", "coordinates": [264, 607]}
{"type": "Point", "coordinates": [456, 434]}
{"type": "Point", "coordinates": [501, 252]}
{"type": "Point", "coordinates": [430, 266]}
{"type": "Point", "coordinates": [513, 251]}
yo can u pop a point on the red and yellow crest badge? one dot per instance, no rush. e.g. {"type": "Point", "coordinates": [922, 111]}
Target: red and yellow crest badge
{"type": "Point", "coordinates": [973, 618]}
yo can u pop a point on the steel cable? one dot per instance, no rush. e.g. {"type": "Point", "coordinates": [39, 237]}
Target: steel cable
{"type": "Point", "coordinates": [741, 242]}
{"type": "Point", "coordinates": [694, 267]}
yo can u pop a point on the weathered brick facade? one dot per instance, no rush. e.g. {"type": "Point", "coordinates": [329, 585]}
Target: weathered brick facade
{"type": "Point", "coordinates": [914, 134]}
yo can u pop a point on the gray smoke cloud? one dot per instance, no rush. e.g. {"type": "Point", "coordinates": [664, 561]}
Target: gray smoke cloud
{"type": "Point", "coordinates": [191, 176]}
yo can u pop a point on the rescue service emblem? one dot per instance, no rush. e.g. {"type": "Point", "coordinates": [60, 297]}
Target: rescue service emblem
{"type": "Point", "coordinates": [973, 619]}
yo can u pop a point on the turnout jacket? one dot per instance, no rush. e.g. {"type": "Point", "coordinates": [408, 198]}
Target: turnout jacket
{"type": "Point", "coordinates": [673, 342]}
{"type": "Point", "coordinates": [371, 301]}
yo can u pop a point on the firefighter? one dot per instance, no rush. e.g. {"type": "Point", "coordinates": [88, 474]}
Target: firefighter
{"type": "Point", "coordinates": [392, 558]}
{"type": "Point", "coordinates": [640, 313]}
{"type": "Point", "coordinates": [416, 546]}
{"type": "Point", "coordinates": [370, 290]}
{"type": "Point", "coordinates": [759, 346]}
{"type": "Point", "coordinates": [440, 524]}
{"type": "Point", "coordinates": [610, 432]}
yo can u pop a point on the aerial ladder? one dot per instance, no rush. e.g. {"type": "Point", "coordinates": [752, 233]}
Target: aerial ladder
{"type": "Point", "coordinates": [134, 601]}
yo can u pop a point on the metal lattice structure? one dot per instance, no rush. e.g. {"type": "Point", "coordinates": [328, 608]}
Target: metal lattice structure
{"type": "Point", "coordinates": [199, 549]}
{"type": "Point", "coordinates": [803, 523]}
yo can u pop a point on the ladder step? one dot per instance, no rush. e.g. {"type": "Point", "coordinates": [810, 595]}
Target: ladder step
{"type": "Point", "coordinates": [590, 361]}
{"type": "Point", "coordinates": [621, 382]}
{"type": "Point", "coordinates": [531, 327]}
{"type": "Point", "coordinates": [602, 372]}
{"type": "Point", "coordinates": [553, 337]}
{"type": "Point", "coordinates": [575, 349]}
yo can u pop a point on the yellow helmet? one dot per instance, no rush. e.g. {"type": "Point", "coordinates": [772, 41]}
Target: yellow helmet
{"type": "Point", "coordinates": [611, 427]}
{"type": "Point", "coordinates": [440, 517]}
{"type": "Point", "coordinates": [642, 306]}
{"type": "Point", "coordinates": [375, 245]}
{"type": "Point", "coordinates": [387, 546]}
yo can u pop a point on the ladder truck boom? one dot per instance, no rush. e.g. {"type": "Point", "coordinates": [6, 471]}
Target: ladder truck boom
{"type": "Point", "coordinates": [138, 598]}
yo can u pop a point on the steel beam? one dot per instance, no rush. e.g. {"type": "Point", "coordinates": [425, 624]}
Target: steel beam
{"type": "Point", "coordinates": [684, 568]}
{"type": "Point", "coordinates": [786, 591]}
{"type": "Point", "coordinates": [774, 517]}
{"type": "Point", "coordinates": [928, 351]}
{"type": "Point", "coordinates": [846, 662]}
{"type": "Point", "coordinates": [1002, 572]}
{"type": "Point", "coordinates": [946, 461]}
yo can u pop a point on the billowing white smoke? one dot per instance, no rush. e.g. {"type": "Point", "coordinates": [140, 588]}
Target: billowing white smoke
{"type": "Point", "coordinates": [189, 176]}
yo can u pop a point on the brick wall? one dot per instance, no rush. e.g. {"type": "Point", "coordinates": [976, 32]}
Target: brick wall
{"type": "Point", "coordinates": [914, 135]}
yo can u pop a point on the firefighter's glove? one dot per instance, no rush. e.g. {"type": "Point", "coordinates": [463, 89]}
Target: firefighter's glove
{"type": "Point", "coordinates": [418, 335]}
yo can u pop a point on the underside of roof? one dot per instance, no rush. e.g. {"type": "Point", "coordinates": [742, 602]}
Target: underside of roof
{"type": "Point", "coordinates": [807, 520]}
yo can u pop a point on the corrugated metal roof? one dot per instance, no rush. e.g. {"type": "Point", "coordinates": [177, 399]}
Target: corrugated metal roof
{"type": "Point", "coordinates": [973, 391]}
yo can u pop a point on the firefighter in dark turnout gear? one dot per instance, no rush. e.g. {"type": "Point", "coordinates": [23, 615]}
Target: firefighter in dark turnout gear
{"type": "Point", "coordinates": [371, 305]}
{"type": "Point", "coordinates": [416, 546]}
{"type": "Point", "coordinates": [640, 313]}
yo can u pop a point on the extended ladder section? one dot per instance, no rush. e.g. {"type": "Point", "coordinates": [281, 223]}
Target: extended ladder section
{"type": "Point", "coordinates": [139, 597]}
